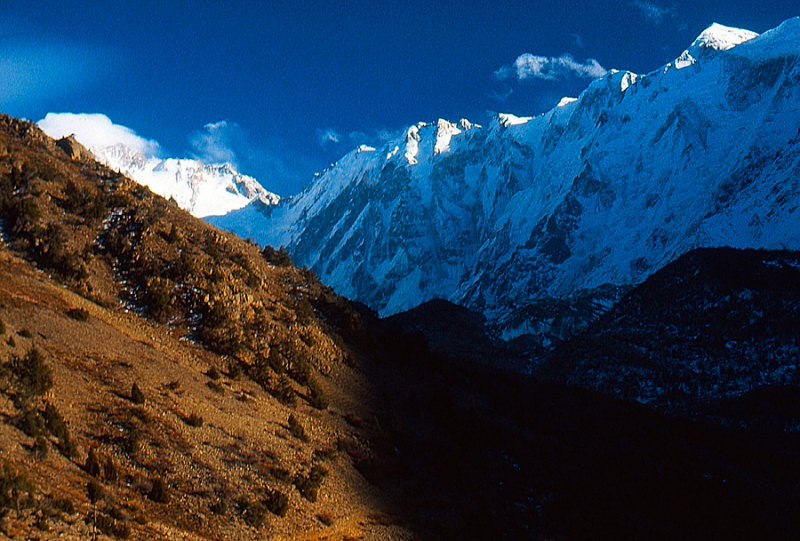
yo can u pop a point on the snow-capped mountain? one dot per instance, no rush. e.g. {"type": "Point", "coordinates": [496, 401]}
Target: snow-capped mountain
{"type": "Point", "coordinates": [542, 222]}
{"type": "Point", "coordinates": [202, 189]}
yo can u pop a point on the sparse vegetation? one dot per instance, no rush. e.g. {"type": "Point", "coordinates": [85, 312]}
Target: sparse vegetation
{"type": "Point", "coordinates": [32, 374]}
{"type": "Point", "coordinates": [279, 257]}
{"type": "Point", "coordinates": [16, 490]}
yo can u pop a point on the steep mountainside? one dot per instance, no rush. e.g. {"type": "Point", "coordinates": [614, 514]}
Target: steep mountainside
{"type": "Point", "coordinates": [542, 223]}
{"type": "Point", "coordinates": [160, 379]}
{"type": "Point", "coordinates": [167, 380]}
{"type": "Point", "coordinates": [714, 328]}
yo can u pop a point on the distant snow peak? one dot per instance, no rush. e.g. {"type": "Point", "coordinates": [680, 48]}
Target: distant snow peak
{"type": "Point", "coordinates": [444, 133]}
{"type": "Point", "coordinates": [566, 101]}
{"type": "Point", "coordinates": [202, 189]}
{"type": "Point", "coordinates": [714, 38]}
{"type": "Point", "coordinates": [722, 38]}
{"type": "Point", "coordinates": [412, 143]}
{"type": "Point", "coordinates": [507, 119]}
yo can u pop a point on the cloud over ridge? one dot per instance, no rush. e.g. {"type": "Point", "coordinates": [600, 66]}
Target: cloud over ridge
{"type": "Point", "coordinates": [530, 66]}
{"type": "Point", "coordinates": [96, 130]}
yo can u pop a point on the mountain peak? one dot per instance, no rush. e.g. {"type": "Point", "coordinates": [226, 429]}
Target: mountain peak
{"type": "Point", "coordinates": [722, 38]}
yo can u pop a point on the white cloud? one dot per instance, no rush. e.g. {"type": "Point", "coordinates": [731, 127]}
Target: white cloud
{"type": "Point", "coordinates": [653, 12]}
{"type": "Point", "coordinates": [215, 143]}
{"type": "Point", "coordinates": [529, 66]}
{"type": "Point", "coordinates": [96, 130]}
{"type": "Point", "coordinates": [328, 136]}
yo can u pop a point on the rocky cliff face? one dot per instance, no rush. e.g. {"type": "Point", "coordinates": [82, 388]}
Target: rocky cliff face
{"type": "Point", "coordinates": [542, 223]}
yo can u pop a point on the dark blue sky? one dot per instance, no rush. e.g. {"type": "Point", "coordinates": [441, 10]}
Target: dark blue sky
{"type": "Point", "coordinates": [300, 83]}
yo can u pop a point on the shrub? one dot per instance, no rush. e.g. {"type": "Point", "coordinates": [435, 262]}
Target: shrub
{"type": "Point", "coordinates": [54, 421]}
{"type": "Point", "coordinates": [253, 513]}
{"type": "Point", "coordinates": [131, 443]}
{"type": "Point", "coordinates": [110, 471]}
{"type": "Point", "coordinates": [316, 396]}
{"type": "Point", "coordinates": [158, 299]}
{"type": "Point", "coordinates": [160, 492]}
{"type": "Point", "coordinates": [194, 420]}
{"type": "Point", "coordinates": [215, 386]}
{"type": "Point", "coordinates": [283, 391]}
{"type": "Point", "coordinates": [67, 446]}
{"type": "Point", "coordinates": [94, 491]}
{"type": "Point", "coordinates": [219, 507]}
{"type": "Point", "coordinates": [276, 361]}
{"type": "Point", "coordinates": [40, 447]}
{"type": "Point", "coordinates": [78, 314]}
{"type": "Point", "coordinates": [277, 502]}
{"type": "Point", "coordinates": [137, 396]}
{"type": "Point", "coordinates": [300, 370]}
{"type": "Point", "coordinates": [93, 466]}
{"type": "Point", "coordinates": [281, 474]}
{"type": "Point", "coordinates": [296, 428]}
{"type": "Point", "coordinates": [213, 373]}
{"type": "Point", "coordinates": [65, 505]}
{"type": "Point", "coordinates": [34, 377]}
{"type": "Point", "coordinates": [13, 486]}
{"type": "Point", "coordinates": [308, 485]}
{"type": "Point", "coordinates": [31, 422]}
{"type": "Point", "coordinates": [2, 327]}
{"type": "Point", "coordinates": [279, 257]}
{"type": "Point", "coordinates": [234, 370]}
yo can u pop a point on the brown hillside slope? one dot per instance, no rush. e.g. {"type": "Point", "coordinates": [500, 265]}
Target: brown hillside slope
{"type": "Point", "coordinates": [236, 426]}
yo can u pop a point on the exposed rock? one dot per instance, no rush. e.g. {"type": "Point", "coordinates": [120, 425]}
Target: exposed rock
{"type": "Point", "coordinates": [73, 148]}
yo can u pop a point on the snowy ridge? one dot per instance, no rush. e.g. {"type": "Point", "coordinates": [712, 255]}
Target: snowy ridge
{"type": "Point", "coordinates": [202, 189]}
{"type": "Point", "coordinates": [542, 222]}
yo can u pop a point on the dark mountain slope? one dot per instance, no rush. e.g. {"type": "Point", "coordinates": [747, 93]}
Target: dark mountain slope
{"type": "Point", "coordinates": [710, 328]}
{"type": "Point", "coordinates": [474, 453]}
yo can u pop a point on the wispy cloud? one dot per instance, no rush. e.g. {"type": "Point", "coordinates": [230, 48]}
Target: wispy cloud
{"type": "Point", "coordinates": [328, 136]}
{"type": "Point", "coordinates": [502, 98]}
{"type": "Point", "coordinates": [653, 12]}
{"type": "Point", "coordinates": [96, 130]}
{"type": "Point", "coordinates": [529, 66]}
{"type": "Point", "coordinates": [215, 144]}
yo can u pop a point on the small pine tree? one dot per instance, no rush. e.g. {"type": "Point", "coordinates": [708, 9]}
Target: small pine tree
{"type": "Point", "coordinates": [137, 396]}
{"type": "Point", "coordinates": [159, 493]}
{"type": "Point", "coordinates": [94, 491]}
{"type": "Point", "coordinates": [93, 466]}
